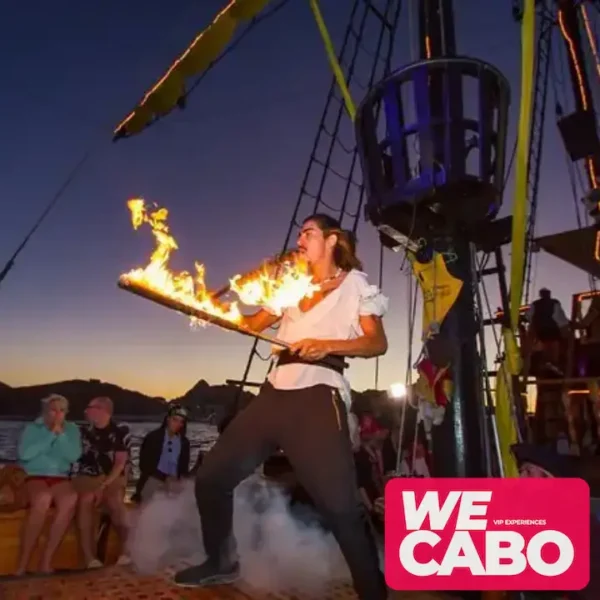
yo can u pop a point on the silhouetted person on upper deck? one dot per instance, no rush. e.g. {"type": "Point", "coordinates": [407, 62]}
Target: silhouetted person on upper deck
{"type": "Point", "coordinates": [303, 409]}
{"type": "Point", "coordinates": [590, 342]}
{"type": "Point", "coordinates": [548, 326]}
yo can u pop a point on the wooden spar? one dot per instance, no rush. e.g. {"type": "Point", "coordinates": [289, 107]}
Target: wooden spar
{"type": "Point", "coordinates": [564, 381]}
{"type": "Point", "coordinates": [191, 311]}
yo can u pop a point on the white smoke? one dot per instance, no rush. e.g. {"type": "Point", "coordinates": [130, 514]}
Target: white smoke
{"type": "Point", "coordinates": [277, 551]}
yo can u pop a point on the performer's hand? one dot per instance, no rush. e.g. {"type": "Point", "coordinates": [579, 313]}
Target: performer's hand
{"type": "Point", "coordinates": [310, 349]}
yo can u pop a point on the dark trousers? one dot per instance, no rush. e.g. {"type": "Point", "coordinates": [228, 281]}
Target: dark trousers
{"type": "Point", "coordinates": [310, 426]}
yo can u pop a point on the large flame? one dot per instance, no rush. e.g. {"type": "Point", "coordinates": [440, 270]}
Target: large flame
{"type": "Point", "coordinates": [279, 284]}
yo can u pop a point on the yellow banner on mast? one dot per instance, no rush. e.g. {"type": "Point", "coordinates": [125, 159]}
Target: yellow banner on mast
{"type": "Point", "coordinates": [511, 366]}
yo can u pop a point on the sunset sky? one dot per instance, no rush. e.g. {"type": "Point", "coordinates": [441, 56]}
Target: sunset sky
{"type": "Point", "coordinates": [228, 168]}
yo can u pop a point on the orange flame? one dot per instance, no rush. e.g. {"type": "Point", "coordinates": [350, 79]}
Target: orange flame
{"type": "Point", "coordinates": [277, 285]}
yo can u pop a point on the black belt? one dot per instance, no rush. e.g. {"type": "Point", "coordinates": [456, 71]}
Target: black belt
{"type": "Point", "coordinates": [335, 363]}
{"type": "Point", "coordinates": [160, 475]}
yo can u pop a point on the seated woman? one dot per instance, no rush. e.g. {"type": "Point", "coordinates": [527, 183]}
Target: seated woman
{"type": "Point", "coordinates": [47, 449]}
{"type": "Point", "coordinates": [164, 455]}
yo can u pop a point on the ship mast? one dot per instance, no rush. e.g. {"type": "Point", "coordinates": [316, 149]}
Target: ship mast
{"type": "Point", "coordinates": [434, 183]}
{"type": "Point", "coordinates": [457, 441]}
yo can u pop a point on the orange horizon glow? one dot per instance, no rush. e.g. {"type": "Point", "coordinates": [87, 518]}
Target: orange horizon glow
{"type": "Point", "coordinates": [173, 383]}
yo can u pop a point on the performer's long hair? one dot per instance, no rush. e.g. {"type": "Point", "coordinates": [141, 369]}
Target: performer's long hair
{"type": "Point", "coordinates": [344, 253]}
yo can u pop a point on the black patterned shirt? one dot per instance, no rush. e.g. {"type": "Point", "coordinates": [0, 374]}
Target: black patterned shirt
{"type": "Point", "coordinates": [100, 447]}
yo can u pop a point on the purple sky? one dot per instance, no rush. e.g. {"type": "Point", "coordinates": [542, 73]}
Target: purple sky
{"type": "Point", "coordinates": [228, 169]}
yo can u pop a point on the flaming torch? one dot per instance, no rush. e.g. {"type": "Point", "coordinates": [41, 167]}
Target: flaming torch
{"type": "Point", "coordinates": [278, 284]}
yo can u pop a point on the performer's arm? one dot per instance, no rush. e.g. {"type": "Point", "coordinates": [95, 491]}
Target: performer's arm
{"type": "Point", "coordinates": [372, 343]}
{"type": "Point", "coordinates": [259, 321]}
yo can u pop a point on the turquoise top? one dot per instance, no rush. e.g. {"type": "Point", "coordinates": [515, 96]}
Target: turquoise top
{"type": "Point", "coordinates": [42, 452]}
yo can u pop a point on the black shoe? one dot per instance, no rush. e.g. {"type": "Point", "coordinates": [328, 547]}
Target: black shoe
{"type": "Point", "coordinates": [207, 574]}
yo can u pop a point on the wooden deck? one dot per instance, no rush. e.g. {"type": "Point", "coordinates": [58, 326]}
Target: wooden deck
{"type": "Point", "coordinates": [122, 583]}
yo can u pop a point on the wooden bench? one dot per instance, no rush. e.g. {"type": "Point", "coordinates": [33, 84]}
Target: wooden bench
{"type": "Point", "coordinates": [13, 510]}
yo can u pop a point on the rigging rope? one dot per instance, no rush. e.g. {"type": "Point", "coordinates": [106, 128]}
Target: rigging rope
{"type": "Point", "coordinates": [412, 28]}
{"type": "Point", "coordinates": [71, 176]}
{"type": "Point", "coordinates": [333, 61]}
{"type": "Point", "coordinates": [350, 109]}
{"type": "Point", "coordinates": [590, 37]}
{"type": "Point", "coordinates": [594, 51]}
{"type": "Point", "coordinates": [412, 304]}
{"type": "Point", "coordinates": [47, 210]}
{"type": "Point", "coordinates": [380, 285]}
{"type": "Point", "coordinates": [574, 174]}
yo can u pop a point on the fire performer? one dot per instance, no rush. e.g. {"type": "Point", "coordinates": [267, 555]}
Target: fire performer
{"type": "Point", "coordinates": [303, 409]}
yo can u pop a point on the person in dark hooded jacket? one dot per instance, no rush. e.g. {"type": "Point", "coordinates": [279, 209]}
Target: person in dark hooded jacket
{"type": "Point", "coordinates": [164, 455]}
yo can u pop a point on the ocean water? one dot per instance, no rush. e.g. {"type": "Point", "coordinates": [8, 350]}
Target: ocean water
{"type": "Point", "coordinates": [201, 435]}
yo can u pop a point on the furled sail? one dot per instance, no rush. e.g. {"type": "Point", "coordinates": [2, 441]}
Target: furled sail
{"type": "Point", "coordinates": [206, 47]}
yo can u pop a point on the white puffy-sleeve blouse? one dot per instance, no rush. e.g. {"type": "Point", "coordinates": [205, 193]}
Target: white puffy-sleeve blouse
{"type": "Point", "coordinates": [336, 317]}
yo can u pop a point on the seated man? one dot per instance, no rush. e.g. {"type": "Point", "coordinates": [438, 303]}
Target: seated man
{"type": "Point", "coordinates": [102, 476]}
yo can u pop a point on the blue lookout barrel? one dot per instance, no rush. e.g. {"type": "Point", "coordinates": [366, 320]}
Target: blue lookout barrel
{"type": "Point", "coordinates": [437, 161]}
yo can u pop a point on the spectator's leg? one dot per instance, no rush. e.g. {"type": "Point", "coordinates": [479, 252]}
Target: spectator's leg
{"type": "Point", "coordinates": [40, 500]}
{"type": "Point", "coordinates": [86, 487]}
{"type": "Point", "coordinates": [65, 501]}
{"type": "Point", "coordinates": [152, 486]}
{"type": "Point", "coordinates": [85, 524]}
{"type": "Point", "coordinates": [114, 499]}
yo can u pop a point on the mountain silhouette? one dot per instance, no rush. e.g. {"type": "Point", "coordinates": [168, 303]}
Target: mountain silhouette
{"type": "Point", "coordinates": [212, 402]}
{"type": "Point", "coordinates": [204, 401]}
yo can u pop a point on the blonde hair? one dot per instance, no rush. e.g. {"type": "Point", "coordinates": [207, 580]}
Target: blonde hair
{"type": "Point", "coordinates": [344, 253]}
{"type": "Point", "coordinates": [48, 400]}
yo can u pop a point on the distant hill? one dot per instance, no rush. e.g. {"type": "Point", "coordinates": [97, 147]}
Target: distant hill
{"type": "Point", "coordinates": [206, 401]}
{"type": "Point", "coordinates": [203, 400]}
